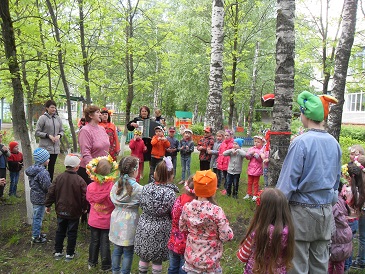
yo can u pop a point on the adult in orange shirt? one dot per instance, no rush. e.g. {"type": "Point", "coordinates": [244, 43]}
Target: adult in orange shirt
{"type": "Point", "coordinates": [111, 130]}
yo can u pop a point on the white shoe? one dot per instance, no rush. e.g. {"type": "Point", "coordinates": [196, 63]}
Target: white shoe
{"type": "Point", "coordinates": [246, 197]}
{"type": "Point", "coordinates": [254, 198]}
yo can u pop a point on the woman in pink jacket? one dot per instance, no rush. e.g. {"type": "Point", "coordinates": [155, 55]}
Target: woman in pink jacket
{"type": "Point", "coordinates": [223, 161]}
{"type": "Point", "coordinates": [254, 169]}
{"type": "Point", "coordinates": [103, 172]}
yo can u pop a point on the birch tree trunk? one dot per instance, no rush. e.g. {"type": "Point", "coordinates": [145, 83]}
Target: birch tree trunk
{"type": "Point", "coordinates": [251, 108]}
{"type": "Point", "coordinates": [284, 86]}
{"type": "Point", "coordinates": [18, 113]}
{"type": "Point", "coordinates": [85, 58]}
{"type": "Point", "coordinates": [213, 114]}
{"type": "Point", "coordinates": [341, 65]}
{"type": "Point", "coordinates": [232, 107]}
{"type": "Point", "coordinates": [62, 72]}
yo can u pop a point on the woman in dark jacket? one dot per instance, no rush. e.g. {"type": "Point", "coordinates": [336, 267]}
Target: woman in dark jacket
{"type": "Point", "coordinates": [147, 126]}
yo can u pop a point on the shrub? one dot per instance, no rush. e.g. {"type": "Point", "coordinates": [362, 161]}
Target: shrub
{"type": "Point", "coordinates": [355, 132]}
{"type": "Point", "coordinates": [198, 129]}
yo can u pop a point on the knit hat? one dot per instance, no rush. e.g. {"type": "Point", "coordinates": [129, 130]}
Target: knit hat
{"type": "Point", "coordinates": [12, 145]}
{"type": "Point", "coordinates": [72, 160]}
{"type": "Point", "coordinates": [205, 183]}
{"type": "Point", "coordinates": [40, 155]}
{"type": "Point", "coordinates": [239, 141]}
{"type": "Point", "coordinates": [159, 128]}
{"type": "Point", "coordinates": [315, 107]}
{"type": "Point", "coordinates": [188, 130]}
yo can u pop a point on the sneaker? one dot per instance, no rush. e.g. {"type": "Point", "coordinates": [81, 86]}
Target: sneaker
{"type": "Point", "coordinates": [43, 235]}
{"type": "Point", "coordinates": [355, 264]}
{"type": "Point", "coordinates": [246, 197]}
{"type": "Point", "coordinates": [58, 256]}
{"type": "Point", "coordinates": [254, 198]}
{"type": "Point", "coordinates": [39, 240]}
{"type": "Point", "coordinates": [224, 192]}
{"type": "Point", "coordinates": [69, 258]}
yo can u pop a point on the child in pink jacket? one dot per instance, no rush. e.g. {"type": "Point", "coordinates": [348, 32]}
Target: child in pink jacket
{"type": "Point", "coordinates": [254, 169]}
{"type": "Point", "coordinates": [138, 147]}
{"type": "Point", "coordinates": [103, 172]}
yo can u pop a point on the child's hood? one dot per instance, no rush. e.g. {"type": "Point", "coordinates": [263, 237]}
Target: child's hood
{"type": "Point", "coordinates": [98, 193]}
{"type": "Point", "coordinates": [34, 170]}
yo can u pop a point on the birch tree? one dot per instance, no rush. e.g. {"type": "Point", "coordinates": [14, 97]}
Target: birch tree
{"type": "Point", "coordinates": [284, 87]}
{"type": "Point", "coordinates": [213, 114]}
{"type": "Point", "coordinates": [343, 54]}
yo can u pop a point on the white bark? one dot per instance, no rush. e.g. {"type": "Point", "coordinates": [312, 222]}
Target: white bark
{"type": "Point", "coordinates": [213, 115]}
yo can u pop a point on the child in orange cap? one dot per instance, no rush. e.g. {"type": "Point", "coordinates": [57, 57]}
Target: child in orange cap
{"type": "Point", "coordinates": [207, 227]}
{"type": "Point", "coordinates": [15, 164]}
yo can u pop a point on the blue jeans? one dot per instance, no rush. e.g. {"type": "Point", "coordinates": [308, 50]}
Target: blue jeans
{"type": "Point", "coordinates": [127, 253]}
{"type": "Point", "coordinates": [38, 213]}
{"type": "Point", "coordinates": [219, 176]}
{"type": "Point", "coordinates": [232, 179]}
{"type": "Point", "coordinates": [185, 167]}
{"type": "Point", "coordinates": [354, 227]}
{"type": "Point", "coordinates": [176, 261]}
{"type": "Point", "coordinates": [14, 178]}
{"type": "Point", "coordinates": [361, 255]}
{"type": "Point", "coordinates": [69, 227]}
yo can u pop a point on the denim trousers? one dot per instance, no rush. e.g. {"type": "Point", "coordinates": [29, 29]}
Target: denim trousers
{"type": "Point", "coordinates": [266, 176]}
{"type": "Point", "coordinates": [361, 254]}
{"type": "Point", "coordinates": [38, 213]}
{"type": "Point", "coordinates": [185, 167]}
{"type": "Point", "coordinates": [354, 227]}
{"type": "Point", "coordinates": [14, 178]}
{"type": "Point", "coordinates": [69, 227]}
{"type": "Point", "coordinates": [99, 241]}
{"type": "Point", "coordinates": [127, 253]}
{"type": "Point", "coordinates": [176, 261]}
{"type": "Point", "coordinates": [174, 163]}
{"type": "Point", "coordinates": [219, 176]}
{"type": "Point", "coordinates": [232, 180]}
{"type": "Point", "coordinates": [2, 175]}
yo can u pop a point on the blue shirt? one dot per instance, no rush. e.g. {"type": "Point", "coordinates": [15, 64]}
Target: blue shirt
{"type": "Point", "coordinates": [311, 170]}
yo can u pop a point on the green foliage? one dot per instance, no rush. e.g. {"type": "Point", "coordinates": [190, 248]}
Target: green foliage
{"type": "Point", "coordinates": [198, 129]}
{"type": "Point", "coordinates": [355, 132]}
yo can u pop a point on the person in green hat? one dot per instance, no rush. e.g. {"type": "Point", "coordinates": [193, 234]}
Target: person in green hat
{"type": "Point", "coordinates": [309, 178]}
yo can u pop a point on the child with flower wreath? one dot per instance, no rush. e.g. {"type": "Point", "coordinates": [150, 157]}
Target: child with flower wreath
{"type": "Point", "coordinates": [103, 173]}
{"type": "Point", "coordinates": [177, 241]}
{"type": "Point", "coordinates": [268, 246]}
{"type": "Point", "coordinates": [154, 225]}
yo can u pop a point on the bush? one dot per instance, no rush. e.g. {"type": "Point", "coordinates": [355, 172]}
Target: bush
{"type": "Point", "coordinates": [355, 132]}
{"type": "Point", "coordinates": [198, 129]}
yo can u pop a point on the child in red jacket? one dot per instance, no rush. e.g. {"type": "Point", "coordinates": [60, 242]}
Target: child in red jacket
{"type": "Point", "coordinates": [138, 147]}
{"type": "Point", "coordinates": [15, 164]}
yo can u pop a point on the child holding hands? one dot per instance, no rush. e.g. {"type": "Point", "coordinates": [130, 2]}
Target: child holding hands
{"type": "Point", "coordinates": [268, 246]}
{"type": "Point", "coordinates": [254, 169]}
{"type": "Point", "coordinates": [206, 225]}
{"type": "Point", "coordinates": [236, 156]}
{"type": "Point", "coordinates": [125, 195]}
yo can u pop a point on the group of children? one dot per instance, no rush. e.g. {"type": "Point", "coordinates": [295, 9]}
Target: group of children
{"type": "Point", "coordinates": [224, 156]}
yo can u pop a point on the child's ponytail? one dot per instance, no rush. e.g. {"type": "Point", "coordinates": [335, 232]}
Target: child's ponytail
{"type": "Point", "coordinates": [127, 166]}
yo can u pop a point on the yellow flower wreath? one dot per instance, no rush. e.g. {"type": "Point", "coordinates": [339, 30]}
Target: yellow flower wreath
{"type": "Point", "coordinates": [91, 170]}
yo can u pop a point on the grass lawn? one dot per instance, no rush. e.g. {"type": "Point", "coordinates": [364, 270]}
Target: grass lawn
{"type": "Point", "coordinates": [18, 255]}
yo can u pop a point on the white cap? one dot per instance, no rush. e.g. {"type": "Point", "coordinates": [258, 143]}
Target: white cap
{"type": "Point", "coordinates": [72, 160]}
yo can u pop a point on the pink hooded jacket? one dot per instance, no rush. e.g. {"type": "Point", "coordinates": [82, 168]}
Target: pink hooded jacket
{"type": "Point", "coordinates": [255, 165]}
{"type": "Point", "coordinates": [223, 161]}
{"type": "Point", "coordinates": [101, 207]}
